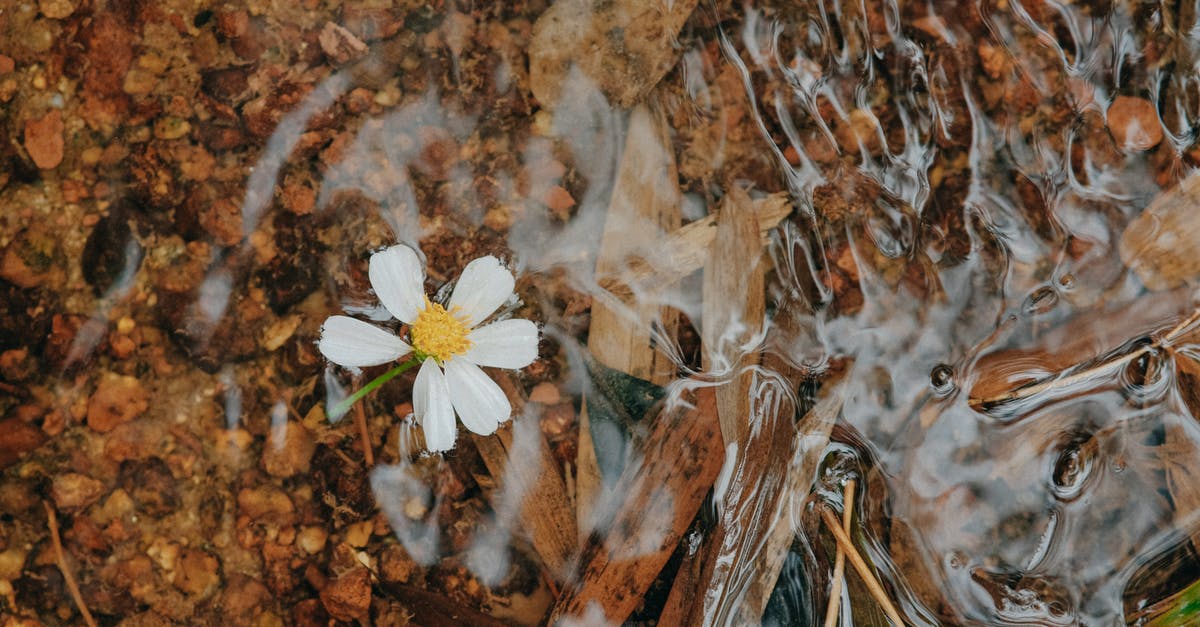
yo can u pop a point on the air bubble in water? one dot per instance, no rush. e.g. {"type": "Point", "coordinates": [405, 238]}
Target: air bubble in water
{"type": "Point", "coordinates": [1072, 469]}
{"type": "Point", "coordinates": [1040, 301]}
{"type": "Point", "coordinates": [941, 378]}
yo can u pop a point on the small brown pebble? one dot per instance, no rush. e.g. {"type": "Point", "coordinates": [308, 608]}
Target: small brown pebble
{"type": "Point", "coordinates": [16, 365]}
{"type": "Point", "coordinates": [15, 269]}
{"type": "Point", "coordinates": [121, 346]}
{"type": "Point", "coordinates": [117, 400]}
{"type": "Point", "coordinates": [223, 220]}
{"type": "Point", "coordinates": [196, 573]}
{"type": "Point", "coordinates": [298, 198]}
{"type": "Point", "coordinates": [292, 455]}
{"type": "Point", "coordinates": [266, 502]}
{"type": "Point", "coordinates": [6, 64]}
{"type": "Point", "coordinates": [233, 24]}
{"type": "Point", "coordinates": [243, 596]}
{"type": "Point", "coordinates": [1134, 124]}
{"type": "Point", "coordinates": [559, 200]}
{"type": "Point", "coordinates": [17, 438]}
{"type": "Point", "coordinates": [993, 59]}
{"type": "Point", "coordinates": [311, 540]}
{"type": "Point", "coordinates": [348, 597]}
{"type": "Point", "coordinates": [339, 44]}
{"type": "Point", "coordinates": [72, 491]}
{"type": "Point", "coordinates": [546, 393]}
{"type": "Point", "coordinates": [44, 139]}
{"type": "Point", "coordinates": [56, 9]}
{"type": "Point", "coordinates": [396, 565]}
{"type": "Point", "coordinates": [171, 127]}
{"type": "Point", "coordinates": [498, 219]}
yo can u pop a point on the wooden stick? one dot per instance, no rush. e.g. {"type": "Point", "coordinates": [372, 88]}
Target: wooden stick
{"type": "Point", "coordinates": [64, 568]}
{"type": "Point", "coordinates": [364, 435]}
{"type": "Point", "coordinates": [839, 562]}
{"type": "Point", "coordinates": [856, 560]}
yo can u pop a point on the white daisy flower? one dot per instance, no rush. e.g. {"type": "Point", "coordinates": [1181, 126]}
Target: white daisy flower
{"type": "Point", "coordinates": [445, 340]}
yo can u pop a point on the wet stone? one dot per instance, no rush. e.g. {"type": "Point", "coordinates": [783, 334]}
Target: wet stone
{"type": "Point", "coordinates": [1134, 123]}
{"type": "Point", "coordinates": [112, 254]}
{"type": "Point", "coordinates": [30, 258]}
{"type": "Point", "coordinates": [151, 485]}
{"type": "Point", "coordinates": [44, 139]}
{"type": "Point", "coordinates": [196, 572]}
{"type": "Point", "coordinates": [72, 491]}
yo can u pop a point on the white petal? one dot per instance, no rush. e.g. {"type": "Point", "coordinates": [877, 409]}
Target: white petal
{"type": "Point", "coordinates": [353, 343]}
{"type": "Point", "coordinates": [480, 403]}
{"type": "Point", "coordinates": [431, 404]}
{"type": "Point", "coordinates": [505, 344]}
{"type": "Point", "coordinates": [399, 281]}
{"type": "Point", "coordinates": [482, 288]}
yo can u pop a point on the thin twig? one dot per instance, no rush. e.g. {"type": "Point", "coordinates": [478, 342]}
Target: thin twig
{"type": "Point", "coordinates": [360, 418]}
{"type": "Point", "coordinates": [839, 562]}
{"type": "Point", "coordinates": [1060, 380]}
{"type": "Point", "coordinates": [64, 568]}
{"type": "Point", "coordinates": [864, 571]}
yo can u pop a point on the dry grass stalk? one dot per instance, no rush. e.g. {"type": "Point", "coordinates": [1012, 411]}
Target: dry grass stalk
{"type": "Point", "coordinates": [856, 560]}
{"type": "Point", "coordinates": [839, 561]}
{"type": "Point", "coordinates": [60, 558]}
{"type": "Point", "coordinates": [1072, 376]}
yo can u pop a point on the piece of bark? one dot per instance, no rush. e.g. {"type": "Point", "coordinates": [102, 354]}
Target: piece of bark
{"type": "Point", "coordinates": [528, 480]}
{"type": "Point", "coordinates": [685, 250]}
{"type": "Point", "coordinates": [645, 204]}
{"type": "Point", "coordinates": [663, 491]}
{"type": "Point", "coordinates": [734, 304]}
{"type": "Point", "coordinates": [624, 46]}
{"type": "Point", "coordinates": [682, 598]}
{"type": "Point", "coordinates": [1162, 245]}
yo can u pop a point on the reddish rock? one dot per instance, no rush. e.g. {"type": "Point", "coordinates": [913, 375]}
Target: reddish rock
{"type": "Point", "coordinates": [6, 64]}
{"type": "Point", "coordinates": [117, 400]}
{"type": "Point", "coordinates": [196, 573]}
{"type": "Point", "coordinates": [17, 438]}
{"type": "Point", "coordinates": [348, 597]}
{"type": "Point", "coordinates": [44, 139]}
{"type": "Point", "coordinates": [291, 455]}
{"type": "Point", "coordinates": [1134, 123]}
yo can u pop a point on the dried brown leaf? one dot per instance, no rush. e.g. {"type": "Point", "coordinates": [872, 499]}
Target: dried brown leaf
{"type": "Point", "coordinates": [663, 491]}
{"type": "Point", "coordinates": [644, 205]}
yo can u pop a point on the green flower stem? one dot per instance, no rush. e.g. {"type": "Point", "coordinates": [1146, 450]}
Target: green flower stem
{"type": "Point", "coordinates": [345, 404]}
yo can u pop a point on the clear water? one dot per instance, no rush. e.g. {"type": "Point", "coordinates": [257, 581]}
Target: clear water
{"type": "Point", "coordinates": [958, 199]}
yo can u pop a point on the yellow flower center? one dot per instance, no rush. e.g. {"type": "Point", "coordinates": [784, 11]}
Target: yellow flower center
{"type": "Point", "coordinates": [437, 333]}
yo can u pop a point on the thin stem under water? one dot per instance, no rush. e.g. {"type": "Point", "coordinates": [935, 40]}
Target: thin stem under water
{"type": "Point", "coordinates": [345, 404]}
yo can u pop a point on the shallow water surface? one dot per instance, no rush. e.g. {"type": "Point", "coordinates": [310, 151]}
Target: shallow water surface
{"type": "Point", "coordinates": [772, 249]}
